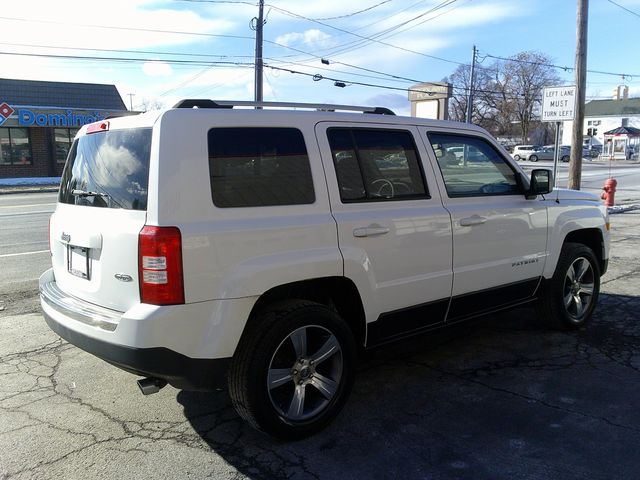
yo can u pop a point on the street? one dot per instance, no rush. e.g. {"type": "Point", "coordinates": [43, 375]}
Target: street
{"type": "Point", "coordinates": [594, 174]}
{"type": "Point", "coordinates": [503, 397]}
{"type": "Point", "coordinates": [24, 250]}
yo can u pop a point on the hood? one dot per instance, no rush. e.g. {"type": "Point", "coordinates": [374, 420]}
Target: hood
{"type": "Point", "coordinates": [566, 194]}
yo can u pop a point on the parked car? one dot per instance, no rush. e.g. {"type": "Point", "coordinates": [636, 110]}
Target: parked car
{"type": "Point", "coordinates": [522, 152]}
{"type": "Point", "coordinates": [548, 153]}
{"type": "Point", "coordinates": [260, 249]}
{"type": "Point", "coordinates": [595, 150]}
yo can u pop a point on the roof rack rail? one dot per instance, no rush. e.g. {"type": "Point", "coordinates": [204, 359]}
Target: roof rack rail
{"type": "Point", "coordinates": [206, 103]}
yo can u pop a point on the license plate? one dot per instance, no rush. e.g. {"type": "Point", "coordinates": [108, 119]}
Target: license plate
{"type": "Point", "coordinates": [79, 262]}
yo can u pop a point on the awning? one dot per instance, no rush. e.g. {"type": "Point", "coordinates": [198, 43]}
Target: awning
{"type": "Point", "coordinates": [629, 131]}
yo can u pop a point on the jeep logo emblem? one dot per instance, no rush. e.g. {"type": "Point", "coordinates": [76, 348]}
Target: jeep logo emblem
{"type": "Point", "coordinates": [123, 277]}
{"type": "Point", "coordinates": [65, 237]}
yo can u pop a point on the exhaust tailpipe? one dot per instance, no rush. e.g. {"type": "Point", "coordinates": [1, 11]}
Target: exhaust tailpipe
{"type": "Point", "coordinates": [151, 385]}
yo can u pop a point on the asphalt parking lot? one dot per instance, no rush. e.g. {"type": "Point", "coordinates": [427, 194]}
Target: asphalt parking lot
{"type": "Point", "coordinates": [501, 398]}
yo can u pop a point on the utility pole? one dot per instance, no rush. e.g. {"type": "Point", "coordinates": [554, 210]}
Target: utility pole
{"type": "Point", "coordinates": [575, 165]}
{"type": "Point", "coordinates": [471, 85]}
{"type": "Point", "coordinates": [131, 95]}
{"type": "Point", "coordinates": [259, 62]}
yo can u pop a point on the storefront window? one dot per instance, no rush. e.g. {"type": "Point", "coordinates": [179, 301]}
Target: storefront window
{"type": "Point", "coordinates": [16, 146]}
{"type": "Point", "coordinates": [63, 138]}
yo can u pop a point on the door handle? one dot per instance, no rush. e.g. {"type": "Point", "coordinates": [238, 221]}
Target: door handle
{"type": "Point", "coordinates": [472, 220]}
{"type": "Point", "coordinates": [370, 231]}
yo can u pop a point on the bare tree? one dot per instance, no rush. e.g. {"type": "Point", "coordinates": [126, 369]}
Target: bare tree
{"type": "Point", "coordinates": [147, 104]}
{"type": "Point", "coordinates": [481, 114]}
{"type": "Point", "coordinates": [507, 93]}
{"type": "Point", "coordinates": [523, 77]}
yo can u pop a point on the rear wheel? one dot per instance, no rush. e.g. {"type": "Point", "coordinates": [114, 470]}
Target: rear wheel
{"type": "Point", "coordinates": [516, 157]}
{"type": "Point", "coordinates": [565, 158]}
{"type": "Point", "coordinates": [570, 297]}
{"type": "Point", "coordinates": [293, 369]}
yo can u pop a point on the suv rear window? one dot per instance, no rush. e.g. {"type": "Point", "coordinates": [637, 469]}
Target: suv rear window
{"type": "Point", "coordinates": [254, 167]}
{"type": "Point", "coordinates": [108, 169]}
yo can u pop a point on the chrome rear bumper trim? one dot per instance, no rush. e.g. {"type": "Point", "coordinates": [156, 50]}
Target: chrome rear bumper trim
{"type": "Point", "coordinates": [78, 309]}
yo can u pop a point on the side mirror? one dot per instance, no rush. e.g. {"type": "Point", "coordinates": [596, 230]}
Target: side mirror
{"type": "Point", "coordinates": [540, 183]}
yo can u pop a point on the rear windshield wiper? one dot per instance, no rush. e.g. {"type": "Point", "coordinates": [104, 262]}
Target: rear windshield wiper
{"type": "Point", "coordinates": [83, 193]}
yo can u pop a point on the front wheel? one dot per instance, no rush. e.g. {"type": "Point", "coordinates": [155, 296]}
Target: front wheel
{"type": "Point", "coordinates": [533, 158]}
{"type": "Point", "coordinates": [293, 369]}
{"type": "Point", "coordinates": [569, 298]}
{"type": "Point", "coordinates": [565, 158]}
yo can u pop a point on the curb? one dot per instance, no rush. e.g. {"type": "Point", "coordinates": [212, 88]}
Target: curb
{"type": "Point", "coordinates": [29, 189]}
{"type": "Point", "coordinates": [623, 208]}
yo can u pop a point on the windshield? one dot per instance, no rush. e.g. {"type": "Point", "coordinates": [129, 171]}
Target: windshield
{"type": "Point", "coordinates": [108, 169]}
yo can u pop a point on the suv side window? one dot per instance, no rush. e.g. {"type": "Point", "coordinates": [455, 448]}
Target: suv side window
{"type": "Point", "coordinates": [472, 167]}
{"type": "Point", "coordinates": [256, 167]}
{"type": "Point", "coordinates": [375, 164]}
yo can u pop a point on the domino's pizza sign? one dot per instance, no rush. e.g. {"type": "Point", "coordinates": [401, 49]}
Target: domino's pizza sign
{"type": "Point", "coordinates": [48, 117]}
{"type": "Point", "coordinates": [5, 112]}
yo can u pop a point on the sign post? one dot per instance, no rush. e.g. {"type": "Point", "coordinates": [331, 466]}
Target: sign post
{"type": "Point", "coordinates": [558, 105]}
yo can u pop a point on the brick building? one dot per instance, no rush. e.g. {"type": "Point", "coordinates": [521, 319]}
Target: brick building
{"type": "Point", "coordinates": [38, 121]}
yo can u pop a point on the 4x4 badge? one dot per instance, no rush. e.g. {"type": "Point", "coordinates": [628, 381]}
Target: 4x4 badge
{"type": "Point", "coordinates": [65, 237]}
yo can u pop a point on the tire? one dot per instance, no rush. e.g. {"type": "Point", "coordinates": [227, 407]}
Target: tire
{"type": "Point", "coordinates": [533, 158]}
{"type": "Point", "coordinates": [569, 298]}
{"type": "Point", "coordinates": [308, 353]}
{"type": "Point", "coordinates": [565, 158]}
{"type": "Point", "coordinates": [516, 158]}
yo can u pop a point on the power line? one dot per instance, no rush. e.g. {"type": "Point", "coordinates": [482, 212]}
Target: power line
{"type": "Point", "coordinates": [624, 8]}
{"type": "Point", "coordinates": [344, 83]}
{"type": "Point", "coordinates": [390, 31]}
{"type": "Point", "coordinates": [318, 78]}
{"type": "Point", "coordinates": [287, 12]}
{"type": "Point", "coordinates": [353, 14]}
{"type": "Point", "coordinates": [128, 59]}
{"type": "Point", "coordinates": [133, 29]}
{"type": "Point", "coordinates": [560, 67]}
{"type": "Point", "coordinates": [110, 50]}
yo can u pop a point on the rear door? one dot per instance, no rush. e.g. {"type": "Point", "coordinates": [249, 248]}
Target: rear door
{"type": "Point", "coordinates": [499, 237]}
{"type": "Point", "coordinates": [393, 232]}
{"type": "Point", "coordinates": [101, 209]}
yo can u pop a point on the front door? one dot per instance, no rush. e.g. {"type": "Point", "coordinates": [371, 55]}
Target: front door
{"type": "Point", "coordinates": [499, 237]}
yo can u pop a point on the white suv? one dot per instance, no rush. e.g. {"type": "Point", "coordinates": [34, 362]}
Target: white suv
{"type": "Point", "coordinates": [261, 248]}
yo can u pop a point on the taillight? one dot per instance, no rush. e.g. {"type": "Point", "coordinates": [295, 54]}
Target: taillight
{"type": "Point", "coordinates": [160, 265]}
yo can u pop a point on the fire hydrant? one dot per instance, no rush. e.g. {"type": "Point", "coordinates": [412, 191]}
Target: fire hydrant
{"type": "Point", "coordinates": [609, 193]}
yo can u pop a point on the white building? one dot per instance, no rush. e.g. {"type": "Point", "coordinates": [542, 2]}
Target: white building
{"type": "Point", "coordinates": [603, 116]}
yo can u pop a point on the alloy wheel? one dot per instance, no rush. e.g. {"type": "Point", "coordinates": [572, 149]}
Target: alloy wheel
{"type": "Point", "coordinates": [578, 289]}
{"type": "Point", "coordinates": [304, 373]}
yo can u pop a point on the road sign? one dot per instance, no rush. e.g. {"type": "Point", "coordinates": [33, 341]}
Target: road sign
{"type": "Point", "coordinates": [558, 104]}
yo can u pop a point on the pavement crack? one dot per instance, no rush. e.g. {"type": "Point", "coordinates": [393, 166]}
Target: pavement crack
{"type": "Point", "coordinates": [528, 398]}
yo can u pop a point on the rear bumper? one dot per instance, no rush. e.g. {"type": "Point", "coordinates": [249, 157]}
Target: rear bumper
{"type": "Point", "coordinates": [178, 370]}
{"type": "Point", "coordinates": [186, 345]}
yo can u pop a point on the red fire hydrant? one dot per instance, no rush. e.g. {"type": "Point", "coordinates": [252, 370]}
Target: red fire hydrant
{"type": "Point", "coordinates": [609, 194]}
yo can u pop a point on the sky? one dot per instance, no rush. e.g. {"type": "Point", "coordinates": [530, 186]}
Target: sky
{"type": "Point", "coordinates": [157, 52]}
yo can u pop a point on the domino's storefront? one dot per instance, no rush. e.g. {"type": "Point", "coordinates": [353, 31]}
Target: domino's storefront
{"type": "Point", "coordinates": [36, 134]}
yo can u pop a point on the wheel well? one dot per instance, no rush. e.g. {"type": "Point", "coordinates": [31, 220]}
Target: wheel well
{"type": "Point", "coordinates": [592, 238]}
{"type": "Point", "coordinates": [338, 293]}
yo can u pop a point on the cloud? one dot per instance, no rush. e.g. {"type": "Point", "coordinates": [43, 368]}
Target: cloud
{"type": "Point", "coordinates": [313, 37]}
{"type": "Point", "coordinates": [80, 24]}
{"type": "Point", "coordinates": [157, 69]}
{"type": "Point", "coordinates": [396, 102]}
